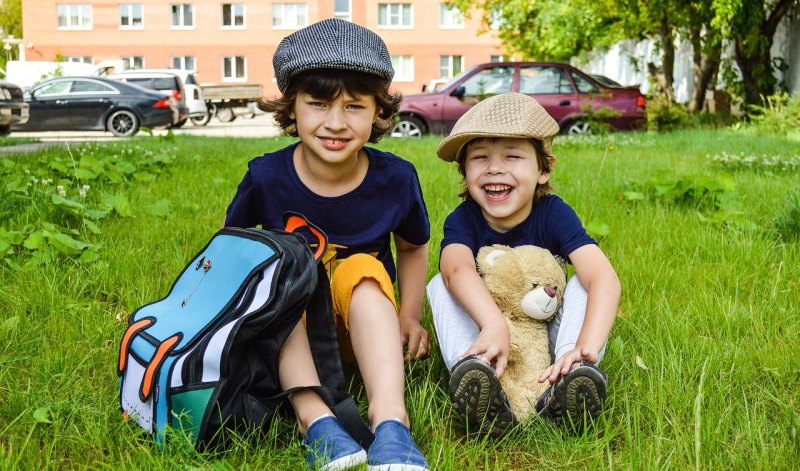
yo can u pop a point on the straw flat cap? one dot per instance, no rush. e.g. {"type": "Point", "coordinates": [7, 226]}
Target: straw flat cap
{"type": "Point", "coordinates": [331, 44]}
{"type": "Point", "coordinates": [513, 115]}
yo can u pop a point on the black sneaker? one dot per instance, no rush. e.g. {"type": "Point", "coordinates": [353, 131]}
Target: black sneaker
{"type": "Point", "coordinates": [576, 397]}
{"type": "Point", "coordinates": [479, 398]}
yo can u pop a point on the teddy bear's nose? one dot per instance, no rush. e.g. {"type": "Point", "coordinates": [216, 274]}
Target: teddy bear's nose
{"type": "Point", "coordinates": [550, 291]}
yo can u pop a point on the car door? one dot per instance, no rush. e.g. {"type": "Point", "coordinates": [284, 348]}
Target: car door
{"type": "Point", "coordinates": [90, 102]}
{"type": "Point", "coordinates": [551, 86]}
{"type": "Point", "coordinates": [483, 83]}
{"type": "Point", "coordinates": [49, 106]}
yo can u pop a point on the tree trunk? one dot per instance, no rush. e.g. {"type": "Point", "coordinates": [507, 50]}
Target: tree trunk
{"type": "Point", "coordinates": [705, 63]}
{"type": "Point", "coordinates": [668, 59]}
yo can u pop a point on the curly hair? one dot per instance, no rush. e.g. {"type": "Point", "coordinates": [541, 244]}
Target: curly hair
{"type": "Point", "coordinates": [542, 159]}
{"type": "Point", "coordinates": [329, 84]}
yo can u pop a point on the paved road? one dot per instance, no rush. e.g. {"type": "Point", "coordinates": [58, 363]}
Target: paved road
{"type": "Point", "coordinates": [261, 125]}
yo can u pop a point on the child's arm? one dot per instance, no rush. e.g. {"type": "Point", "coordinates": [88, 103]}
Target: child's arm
{"type": "Point", "coordinates": [412, 268]}
{"type": "Point", "coordinates": [602, 285]}
{"type": "Point", "coordinates": [461, 277]}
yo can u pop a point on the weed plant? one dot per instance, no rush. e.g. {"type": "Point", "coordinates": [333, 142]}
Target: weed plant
{"type": "Point", "coordinates": [702, 359]}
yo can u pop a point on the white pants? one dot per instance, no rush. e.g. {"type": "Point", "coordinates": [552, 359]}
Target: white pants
{"type": "Point", "coordinates": [456, 331]}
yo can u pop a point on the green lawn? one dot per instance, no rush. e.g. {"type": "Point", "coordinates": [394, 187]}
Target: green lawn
{"type": "Point", "coordinates": [702, 360]}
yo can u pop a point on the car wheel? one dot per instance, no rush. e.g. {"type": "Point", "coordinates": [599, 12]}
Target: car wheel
{"type": "Point", "coordinates": [123, 123]}
{"type": "Point", "coordinates": [226, 115]}
{"type": "Point", "coordinates": [408, 126]}
{"type": "Point", "coordinates": [578, 127]}
{"type": "Point", "coordinates": [5, 130]}
{"type": "Point", "coordinates": [201, 120]}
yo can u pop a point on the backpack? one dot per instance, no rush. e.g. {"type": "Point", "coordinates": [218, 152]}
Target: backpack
{"type": "Point", "coordinates": [204, 359]}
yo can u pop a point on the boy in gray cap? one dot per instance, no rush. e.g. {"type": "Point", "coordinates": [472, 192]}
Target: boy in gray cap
{"type": "Point", "coordinates": [335, 76]}
{"type": "Point", "coordinates": [503, 146]}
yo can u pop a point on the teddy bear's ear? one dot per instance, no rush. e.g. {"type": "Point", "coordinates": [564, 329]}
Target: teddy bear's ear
{"type": "Point", "coordinates": [493, 256]}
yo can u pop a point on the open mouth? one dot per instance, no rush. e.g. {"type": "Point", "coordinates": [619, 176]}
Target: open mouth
{"type": "Point", "coordinates": [497, 192]}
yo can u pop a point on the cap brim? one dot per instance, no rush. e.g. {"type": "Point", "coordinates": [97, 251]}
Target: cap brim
{"type": "Point", "coordinates": [450, 146]}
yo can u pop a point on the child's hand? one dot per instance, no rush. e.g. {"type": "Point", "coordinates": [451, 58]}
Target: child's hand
{"type": "Point", "coordinates": [493, 345]}
{"type": "Point", "coordinates": [415, 339]}
{"type": "Point", "coordinates": [562, 365]}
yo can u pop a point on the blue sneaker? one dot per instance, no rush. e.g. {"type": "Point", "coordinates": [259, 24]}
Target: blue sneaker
{"type": "Point", "coordinates": [575, 398]}
{"type": "Point", "coordinates": [394, 450]}
{"type": "Point", "coordinates": [331, 448]}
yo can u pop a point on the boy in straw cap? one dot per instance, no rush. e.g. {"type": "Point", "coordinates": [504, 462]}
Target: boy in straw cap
{"type": "Point", "coordinates": [335, 77]}
{"type": "Point", "coordinates": [503, 148]}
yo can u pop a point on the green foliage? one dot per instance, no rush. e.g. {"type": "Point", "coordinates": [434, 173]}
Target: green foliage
{"type": "Point", "coordinates": [787, 223]}
{"type": "Point", "coordinates": [664, 115]}
{"type": "Point", "coordinates": [780, 114]}
{"type": "Point", "coordinates": [769, 164]}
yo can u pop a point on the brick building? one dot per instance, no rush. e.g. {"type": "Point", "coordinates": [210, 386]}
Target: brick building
{"type": "Point", "coordinates": [234, 42]}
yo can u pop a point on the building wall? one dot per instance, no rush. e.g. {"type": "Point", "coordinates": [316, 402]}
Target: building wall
{"type": "Point", "coordinates": [209, 42]}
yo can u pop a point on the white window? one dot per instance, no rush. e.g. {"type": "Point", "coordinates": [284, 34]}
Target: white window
{"type": "Point", "coordinates": [233, 15]}
{"type": "Point", "coordinates": [403, 68]}
{"type": "Point", "coordinates": [289, 15]}
{"type": "Point", "coordinates": [74, 16]}
{"type": "Point", "coordinates": [182, 62]}
{"type": "Point", "coordinates": [131, 16]}
{"type": "Point", "coordinates": [182, 16]}
{"type": "Point", "coordinates": [78, 59]}
{"type": "Point", "coordinates": [450, 17]}
{"type": "Point", "coordinates": [343, 10]}
{"type": "Point", "coordinates": [234, 69]}
{"type": "Point", "coordinates": [450, 66]}
{"type": "Point", "coordinates": [394, 15]}
{"type": "Point", "coordinates": [133, 62]}
{"type": "Point", "coordinates": [496, 58]}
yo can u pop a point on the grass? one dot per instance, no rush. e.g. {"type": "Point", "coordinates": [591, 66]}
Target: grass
{"type": "Point", "coordinates": [702, 358]}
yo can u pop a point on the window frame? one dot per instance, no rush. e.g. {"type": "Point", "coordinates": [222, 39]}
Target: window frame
{"type": "Point", "coordinates": [182, 59]}
{"type": "Point", "coordinates": [130, 7]}
{"type": "Point", "coordinates": [406, 64]}
{"type": "Point", "coordinates": [390, 14]}
{"type": "Point", "coordinates": [283, 7]}
{"type": "Point", "coordinates": [181, 11]}
{"type": "Point", "coordinates": [67, 8]}
{"type": "Point", "coordinates": [450, 65]}
{"type": "Point", "coordinates": [234, 78]}
{"type": "Point", "coordinates": [233, 16]}
{"type": "Point", "coordinates": [450, 12]}
{"type": "Point", "coordinates": [130, 62]}
{"type": "Point", "coordinates": [341, 15]}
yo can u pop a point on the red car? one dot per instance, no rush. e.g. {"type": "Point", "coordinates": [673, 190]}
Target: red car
{"type": "Point", "coordinates": [564, 91]}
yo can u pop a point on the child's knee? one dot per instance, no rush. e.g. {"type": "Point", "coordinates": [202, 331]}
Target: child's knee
{"type": "Point", "coordinates": [352, 272]}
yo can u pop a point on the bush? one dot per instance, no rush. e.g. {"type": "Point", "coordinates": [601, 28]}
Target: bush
{"type": "Point", "coordinates": [780, 114]}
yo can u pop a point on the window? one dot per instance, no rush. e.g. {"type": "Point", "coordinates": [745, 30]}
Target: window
{"type": "Point", "coordinates": [289, 15]}
{"type": "Point", "coordinates": [133, 62]}
{"type": "Point", "coordinates": [182, 62]}
{"type": "Point", "coordinates": [394, 15]}
{"type": "Point", "coordinates": [60, 87]}
{"type": "Point", "coordinates": [79, 59]}
{"type": "Point", "coordinates": [584, 84]}
{"type": "Point", "coordinates": [130, 16]}
{"type": "Point", "coordinates": [450, 17]}
{"type": "Point", "coordinates": [342, 9]}
{"type": "Point", "coordinates": [403, 68]}
{"type": "Point", "coordinates": [74, 16]}
{"type": "Point", "coordinates": [496, 58]}
{"type": "Point", "coordinates": [544, 80]}
{"type": "Point", "coordinates": [90, 86]}
{"type": "Point", "coordinates": [491, 81]}
{"type": "Point", "coordinates": [450, 66]}
{"type": "Point", "coordinates": [233, 15]}
{"type": "Point", "coordinates": [234, 69]}
{"type": "Point", "coordinates": [182, 15]}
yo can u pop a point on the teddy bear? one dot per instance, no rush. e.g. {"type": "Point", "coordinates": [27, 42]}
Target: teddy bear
{"type": "Point", "coordinates": [527, 283]}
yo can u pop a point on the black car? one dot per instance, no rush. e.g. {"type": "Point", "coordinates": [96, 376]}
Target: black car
{"type": "Point", "coordinates": [13, 109]}
{"type": "Point", "coordinates": [93, 103]}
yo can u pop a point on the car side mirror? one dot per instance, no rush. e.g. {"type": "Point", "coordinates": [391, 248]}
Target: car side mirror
{"type": "Point", "coordinates": [459, 91]}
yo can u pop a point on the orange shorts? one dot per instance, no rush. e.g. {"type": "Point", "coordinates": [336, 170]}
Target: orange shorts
{"type": "Point", "coordinates": [352, 271]}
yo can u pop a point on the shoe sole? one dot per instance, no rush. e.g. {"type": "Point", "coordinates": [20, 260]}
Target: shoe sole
{"type": "Point", "coordinates": [346, 462]}
{"type": "Point", "coordinates": [479, 398]}
{"type": "Point", "coordinates": [577, 396]}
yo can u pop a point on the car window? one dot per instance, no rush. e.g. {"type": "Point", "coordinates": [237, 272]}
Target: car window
{"type": "Point", "coordinates": [583, 84]}
{"type": "Point", "coordinates": [142, 82]}
{"type": "Point", "coordinates": [491, 81]}
{"type": "Point", "coordinates": [544, 80]}
{"type": "Point", "coordinates": [56, 88]}
{"type": "Point", "coordinates": [190, 80]}
{"type": "Point", "coordinates": [165, 83]}
{"type": "Point", "coordinates": [88, 86]}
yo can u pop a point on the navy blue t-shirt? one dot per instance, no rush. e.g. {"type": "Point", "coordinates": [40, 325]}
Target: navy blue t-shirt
{"type": "Point", "coordinates": [552, 225]}
{"type": "Point", "coordinates": [389, 200]}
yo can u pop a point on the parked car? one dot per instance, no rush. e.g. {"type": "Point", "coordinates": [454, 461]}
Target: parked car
{"type": "Point", "coordinates": [168, 82]}
{"type": "Point", "coordinates": [13, 109]}
{"type": "Point", "coordinates": [564, 91]}
{"type": "Point", "coordinates": [608, 82]}
{"type": "Point", "coordinates": [94, 103]}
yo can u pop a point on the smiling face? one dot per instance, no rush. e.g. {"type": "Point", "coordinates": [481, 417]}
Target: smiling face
{"type": "Point", "coordinates": [334, 130]}
{"type": "Point", "coordinates": [501, 175]}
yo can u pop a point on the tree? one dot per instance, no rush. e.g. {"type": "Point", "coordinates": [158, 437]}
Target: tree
{"type": "Point", "coordinates": [752, 24]}
{"type": "Point", "coordinates": [10, 22]}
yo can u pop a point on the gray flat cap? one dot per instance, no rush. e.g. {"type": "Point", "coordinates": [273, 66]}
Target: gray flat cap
{"type": "Point", "coordinates": [331, 44]}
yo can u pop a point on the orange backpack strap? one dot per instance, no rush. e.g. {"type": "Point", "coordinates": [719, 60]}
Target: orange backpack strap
{"type": "Point", "coordinates": [131, 332]}
{"type": "Point", "coordinates": [295, 221]}
{"type": "Point", "coordinates": [155, 364]}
